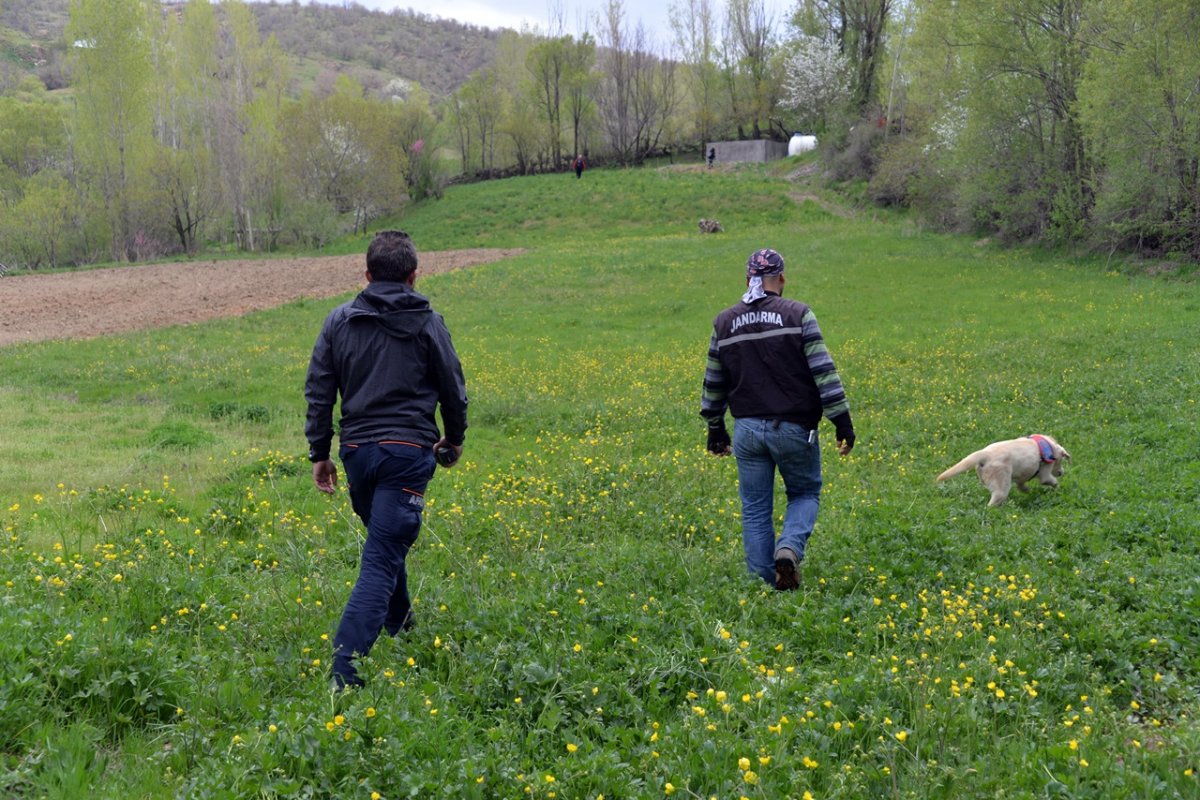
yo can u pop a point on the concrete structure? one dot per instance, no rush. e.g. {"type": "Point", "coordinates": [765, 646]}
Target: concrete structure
{"type": "Point", "coordinates": [757, 151]}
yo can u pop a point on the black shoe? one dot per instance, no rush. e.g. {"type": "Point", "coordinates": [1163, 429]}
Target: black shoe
{"type": "Point", "coordinates": [786, 576]}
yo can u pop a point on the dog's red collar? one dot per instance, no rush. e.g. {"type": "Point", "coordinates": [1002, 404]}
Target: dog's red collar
{"type": "Point", "coordinates": [1044, 448]}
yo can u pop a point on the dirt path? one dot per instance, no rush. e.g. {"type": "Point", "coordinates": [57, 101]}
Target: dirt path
{"type": "Point", "coordinates": [73, 305]}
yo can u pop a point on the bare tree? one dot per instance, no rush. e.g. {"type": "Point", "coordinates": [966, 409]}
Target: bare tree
{"type": "Point", "coordinates": [694, 25]}
{"type": "Point", "coordinates": [581, 81]}
{"type": "Point", "coordinates": [637, 91]}
{"type": "Point", "coordinates": [749, 42]}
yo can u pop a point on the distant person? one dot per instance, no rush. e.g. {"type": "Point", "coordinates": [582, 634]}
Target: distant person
{"type": "Point", "coordinates": [767, 363]}
{"type": "Point", "coordinates": [580, 165]}
{"type": "Point", "coordinates": [712, 156]}
{"type": "Point", "coordinates": [389, 356]}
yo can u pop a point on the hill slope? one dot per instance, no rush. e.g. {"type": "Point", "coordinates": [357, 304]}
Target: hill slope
{"type": "Point", "coordinates": [375, 47]}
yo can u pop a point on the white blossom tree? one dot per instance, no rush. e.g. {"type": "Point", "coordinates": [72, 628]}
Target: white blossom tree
{"type": "Point", "coordinates": [818, 80]}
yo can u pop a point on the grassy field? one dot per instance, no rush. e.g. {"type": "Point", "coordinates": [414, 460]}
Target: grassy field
{"type": "Point", "coordinates": [585, 623]}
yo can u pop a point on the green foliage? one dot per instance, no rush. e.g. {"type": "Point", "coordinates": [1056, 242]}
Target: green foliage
{"type": "Point", "coordinates": [345, 151]}
{"type": "Point", "coordinates": [111, 63]}
{"type": "Point", "coordinates": [1139, 110]}
{"type": "Point", "coordinates": [584, 621]}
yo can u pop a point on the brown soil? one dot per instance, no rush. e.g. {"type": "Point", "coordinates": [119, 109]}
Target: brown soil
{"type": "Point", "coordinates": [70, 305]}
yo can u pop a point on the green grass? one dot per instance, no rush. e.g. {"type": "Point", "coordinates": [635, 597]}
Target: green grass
{"type": "Point", "coordinates": [585, 622]}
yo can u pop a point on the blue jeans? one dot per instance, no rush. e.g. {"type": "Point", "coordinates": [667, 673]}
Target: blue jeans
{"type": "Point", "coordinates": [387, 486]}
{"type": "Point", "coordinates": [761, 446]}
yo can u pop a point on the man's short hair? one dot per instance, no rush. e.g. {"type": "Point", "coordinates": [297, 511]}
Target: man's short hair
{"type": "Point", "coordinates": [391, 256]}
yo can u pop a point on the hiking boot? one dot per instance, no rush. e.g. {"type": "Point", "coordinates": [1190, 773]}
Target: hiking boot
{"type": "Point", "coordinates": [786, 575]}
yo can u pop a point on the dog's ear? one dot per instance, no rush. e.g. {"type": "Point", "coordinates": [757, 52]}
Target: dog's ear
{"type": "Point", "coordinates": [1065, 455]}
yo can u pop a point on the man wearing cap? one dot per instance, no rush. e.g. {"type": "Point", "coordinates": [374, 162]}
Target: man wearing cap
{"type": "Point", "coordinates": [388, 354]}
{"type": "Point", "coordinates": [767, 363]}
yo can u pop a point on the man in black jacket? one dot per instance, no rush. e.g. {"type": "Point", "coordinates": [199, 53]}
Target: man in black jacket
{"type": "Point", "coordinates": [390, 357]}
{"type": "Point", "coordinates": [767, 363]}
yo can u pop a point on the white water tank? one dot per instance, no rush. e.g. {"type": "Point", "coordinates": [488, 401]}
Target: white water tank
{"type": "Point", "coordinates": [801, 144]}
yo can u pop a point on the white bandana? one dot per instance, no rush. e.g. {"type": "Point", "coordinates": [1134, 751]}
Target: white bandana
{"type": "Point", "coordinates": [754, 291]}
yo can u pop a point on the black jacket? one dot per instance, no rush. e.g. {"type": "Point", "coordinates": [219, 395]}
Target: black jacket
{"type": "Point", "coordinates": [768, 360]}
{"type": "Point", "coordinates": [389, 355]}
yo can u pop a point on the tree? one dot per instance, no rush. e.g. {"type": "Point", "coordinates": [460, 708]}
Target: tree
{"type": "Point", "coordinates": [748, 46]}
{"type": "Point", "coordinates": [477, 107]}
{"type": "Point", "coordinates": [547, 65]}
{"type": "Point", "coordinates": [580, 84]}
{"type": "Point", "coordinates": [32, 133]}
{"type": "Point", "coordinates": [454, 115]}
{"type": "Point", "coordinates": [252, 75]}
{"type": "Point", "coordinates": [694, 25]}
{"type": "Point", "coordinates": [858, 27]}
{"type": "Point", "coordinates": [113, 78]}
{"type": "Point", "coordinates": [184, 171]}
{"type": "Point", "coordinates": [344, 149]}
{"type": "Point", "coordinates": [523, 129]}
{"type": "Point", "coordinates": [43, 220]}
{"type": "Point", "coordinates": [413, 127]}
{"type": "Point", "coordinates": [616, 81]}
{"type": "Point", "coordinates": [1140, 111]}
{"type": "Point", "coordinates": [637, 92]}
{"type": "Point", "coordinates": [1019, 157]}
{"type": "Point", "coordinates": [817, 80]}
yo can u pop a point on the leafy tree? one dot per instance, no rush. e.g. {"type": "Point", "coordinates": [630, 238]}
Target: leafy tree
{"type": "Point", "coordinates": [453, 113]}
{"type": "Point", "coordinates": [414, 126]}
{"type": "Point", "coordinates": [859, 28]}
{"type": "Point", "coordinates": [113, 92]}
{"type": "Point", "coordinates": [523, 126]}
{"type": "Point", "coordinates": [1005, 132]}
{"type": "Point", "coordinates": [32, 133]}
{"type": "Point", "coordinates": [345, 150]}
{"type": "Point", "coordinates": [252, 75]}
{"type": "Point", "coordinates": [1140, 111]}
{"type": "Point", "coordinates": [523, 129]}
{"type": "Point", "coordinates": [547, 64]}
{"type": "Point", "coordinates": [41, 222]}
{"type": "Point", "coordinates": [616, 82]}
{"type": "Point", "coordinates": [475, 110]}
{"type": "Point", "coordinates": [184, 171]}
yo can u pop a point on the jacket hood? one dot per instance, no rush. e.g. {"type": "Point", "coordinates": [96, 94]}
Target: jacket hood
{"type": "Point", "coordinates": [400, 310]}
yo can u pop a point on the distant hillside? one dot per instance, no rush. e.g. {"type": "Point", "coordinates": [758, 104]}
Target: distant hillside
{"type": "Point", "coordinates": [31, 41]}
{"type": "Point", "coordinates": [437, 54]}
{"type": "Point", "coordinates": [375, 47]}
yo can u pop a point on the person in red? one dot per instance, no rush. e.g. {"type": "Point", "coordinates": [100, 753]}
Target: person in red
{"type": "Point", "coordinates": [580, 165]}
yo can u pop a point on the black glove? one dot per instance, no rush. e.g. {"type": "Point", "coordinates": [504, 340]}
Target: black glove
{"type": "Point", "coordinates": [446, 456]}
{"type": "Point", "coordinates": [718, 437]}
{"type": "Point", "coordinates": [844, 430]}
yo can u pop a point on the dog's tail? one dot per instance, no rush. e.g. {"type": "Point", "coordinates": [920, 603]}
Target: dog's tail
{"type": "Point", "coordinates": [970, 462]}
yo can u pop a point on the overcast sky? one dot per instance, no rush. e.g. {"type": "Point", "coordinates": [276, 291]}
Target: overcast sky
{"type": "Point", "coordinates": [515, 13]}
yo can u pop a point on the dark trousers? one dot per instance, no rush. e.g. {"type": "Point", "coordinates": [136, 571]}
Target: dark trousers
{"type": "Point", "coordinates": [387, 483]}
